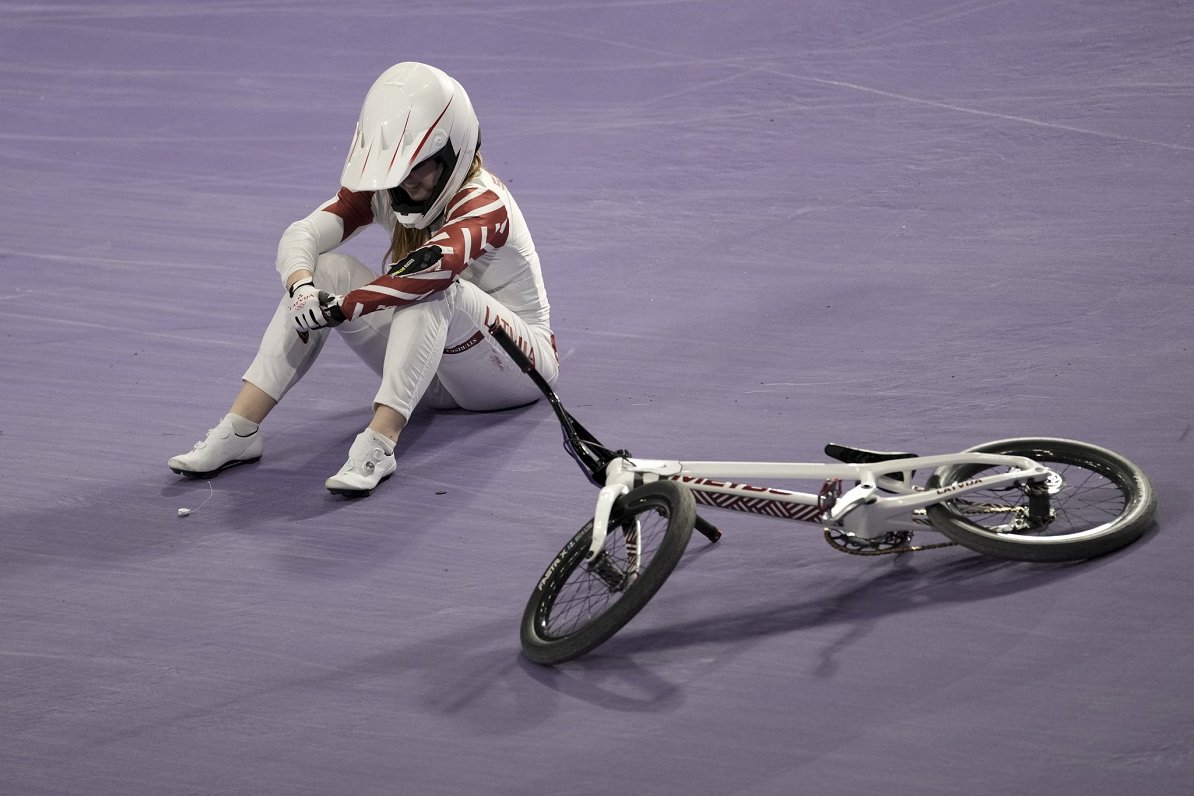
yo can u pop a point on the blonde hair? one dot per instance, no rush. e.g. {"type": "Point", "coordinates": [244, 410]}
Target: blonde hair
{"type": "Point", "coordinates": [406, 239]}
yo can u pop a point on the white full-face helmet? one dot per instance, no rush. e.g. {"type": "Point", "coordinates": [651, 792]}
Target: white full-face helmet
{"type": "Point", "coordinates": [412, 112]}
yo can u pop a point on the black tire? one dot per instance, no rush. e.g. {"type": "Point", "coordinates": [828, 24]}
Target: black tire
{"type": "Point", "coordinates": [1101, 503]}
{"type": "Point", "coordinates": [578, 606]}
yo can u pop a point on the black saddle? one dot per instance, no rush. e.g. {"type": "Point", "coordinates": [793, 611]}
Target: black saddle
{"type": "Point", "coordinates": [848, 455]}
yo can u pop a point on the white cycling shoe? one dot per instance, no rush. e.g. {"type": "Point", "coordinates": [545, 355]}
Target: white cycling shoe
{"type": "Point", "coordinates": [220, 449]}
{"type": "Point", "coordinates": [367, 466]}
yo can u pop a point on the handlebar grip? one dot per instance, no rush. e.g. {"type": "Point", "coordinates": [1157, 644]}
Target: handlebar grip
{"type": "Point", "coordinates": [511, 348]}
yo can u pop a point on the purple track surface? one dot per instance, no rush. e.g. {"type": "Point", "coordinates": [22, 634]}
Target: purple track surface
{"type": "Point", "coordinates": [765, 225]}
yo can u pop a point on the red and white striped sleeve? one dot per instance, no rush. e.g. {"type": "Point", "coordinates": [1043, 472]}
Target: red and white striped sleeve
{"type": "Point", "coordinates": [355, 209]}
{"type": "Point", "coordinates": [332, 223]}
{"type": "Point", "coordinates": [477, 222]}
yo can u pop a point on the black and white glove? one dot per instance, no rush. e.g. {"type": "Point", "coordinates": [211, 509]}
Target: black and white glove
{"type": "Point", "coordinates": [311, 308]}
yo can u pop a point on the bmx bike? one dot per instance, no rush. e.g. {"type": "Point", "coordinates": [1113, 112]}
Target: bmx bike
{"type": "Point", "coordinates": [1023, 499]}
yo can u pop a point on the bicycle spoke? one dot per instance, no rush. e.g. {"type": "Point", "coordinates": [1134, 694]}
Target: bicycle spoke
{"type": "Point", "coordinates": [593, 587]}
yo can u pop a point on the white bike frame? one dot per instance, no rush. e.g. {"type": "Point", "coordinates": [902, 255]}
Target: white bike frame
{"type": "Point", "coordinates": [883, 498]}
{"type": "Point", "coordinates": [864, 511]}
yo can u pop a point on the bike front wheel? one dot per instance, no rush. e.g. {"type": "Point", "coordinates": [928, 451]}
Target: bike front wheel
{"type": "Point", "coordinates": [577, 604]}
{"type": "Point", "coordinates": [1096, 502]}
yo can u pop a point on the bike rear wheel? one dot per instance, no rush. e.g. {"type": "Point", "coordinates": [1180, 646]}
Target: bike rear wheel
{"type": "Point", "coordinates": [578, 605]}
{"type": "Point", "coordinates": [1098, 503]}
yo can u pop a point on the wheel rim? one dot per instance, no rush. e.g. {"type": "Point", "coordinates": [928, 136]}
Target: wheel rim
{"type": "Point", "coordinates": [591, 589]}
{"type": "Point", "coordinates": [1087, 498]}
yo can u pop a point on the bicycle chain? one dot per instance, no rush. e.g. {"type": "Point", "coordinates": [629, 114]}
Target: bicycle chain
{"type": "Point", "coordinates": [842, 541]}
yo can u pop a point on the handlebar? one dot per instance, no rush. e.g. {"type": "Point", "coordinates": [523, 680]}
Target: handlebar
{"type": "Point", "coordinates": [590, 454]}
{"type": "Point", "coordinates": [511, 348]}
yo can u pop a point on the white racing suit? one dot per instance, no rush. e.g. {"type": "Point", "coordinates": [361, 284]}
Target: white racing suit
{"type": "Point", "coordinates": [423, 333]}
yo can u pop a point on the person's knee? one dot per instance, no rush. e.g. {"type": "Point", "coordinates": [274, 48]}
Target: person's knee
{"type": "Point", "coordinates": [340, 273]}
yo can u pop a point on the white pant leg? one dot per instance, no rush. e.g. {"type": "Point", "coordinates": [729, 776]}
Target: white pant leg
{"type": "Point", "coordinates": [438, 348]}
{"type": "Point", "coordinates": [283, 358]}
{"type": "Point", "coordinates": [435, 351]}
